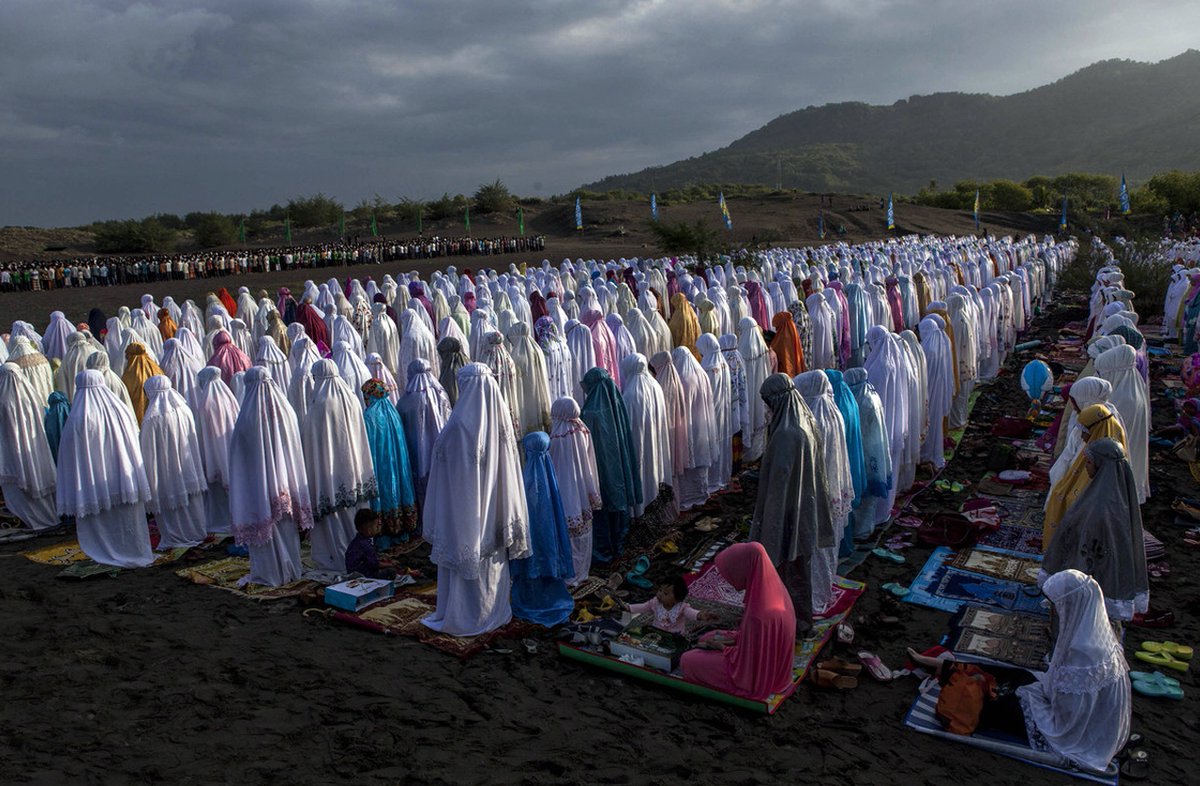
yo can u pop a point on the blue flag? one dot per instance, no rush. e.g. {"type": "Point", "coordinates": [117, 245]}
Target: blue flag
{"type": "Point", "coordinates": [578, 216]}
{"type": "Point", "coordinates": [1062, 222]}
{"type": "Point", "coordinates": [821, 224]}
{"type": "Point", "coordinates": [977, 210]}
{"type": "Point", "coordinates": [725, 212]}
{"type": "Point", "coordinates": [1124, 196]}
{"type": "Point", "coordinates": [654, 207]}
{"type": "Point", "coordinates": [891, 216]}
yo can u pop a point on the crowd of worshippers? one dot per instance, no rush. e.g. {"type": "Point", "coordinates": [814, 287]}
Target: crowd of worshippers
{"type": "Point", "coordinates": [531, 423]}
{"type": "Point", "coordinates": [117, 270]}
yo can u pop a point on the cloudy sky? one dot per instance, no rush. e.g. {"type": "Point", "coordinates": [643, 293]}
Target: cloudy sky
{"type": "Point", "coordinates": [113, 109]}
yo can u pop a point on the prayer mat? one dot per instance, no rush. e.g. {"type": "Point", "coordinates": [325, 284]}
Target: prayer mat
{"type": "Point", "coordinates": [88, 570]}
{"type": "Point", "coordinates": [806, 653]}
{"type": "Point", "coordinates": [1015, 537]}
{"type": "Point", "coordinates": [401, 616]}
{"type": "Point", "coordinates": [997, 563]}
{"type": "Point", "coordinates": [922, 717]}
{"type": "Point", "coordinates": [225, 574]}
{"type": "Point", "coordinates": [61, 554]}
{"type": "Point", "coordinates": [941, 586]}
{"type": "Point", "coordinates": [704, 551]}
{"type": "Point", "coordinates": [400, 549]}
{"type": "Point", "coordinates": [1019, 640]}
{"type": "Point", "coordinates": [854, 559]}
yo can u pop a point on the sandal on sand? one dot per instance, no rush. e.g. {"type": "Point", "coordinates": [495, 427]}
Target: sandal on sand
{"type": "Point", "coordinates": [890, 556]}
{"type": "Point", "coordinates": [1177, 651]}
{"type": "Point", "coordinates": [1136, 766]}
{"type": "Point", "coordinates": [831, 679]}
{"type": "Point", "coordinates": [1154, 619]}
{"type": "Point", "coordinates": [1161, 659]}
{"type": "Point", "coordinates": [875, 666]}
{"type": "Point", "coordinates": [840, 666]}
{"type": "Point", "coordinates": [1156, 685]}
{"type": "Point", "coordinates": [899, 590]}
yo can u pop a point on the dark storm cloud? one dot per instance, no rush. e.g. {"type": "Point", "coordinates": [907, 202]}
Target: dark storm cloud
{"type": "Point", "coordinates": [111, 109]}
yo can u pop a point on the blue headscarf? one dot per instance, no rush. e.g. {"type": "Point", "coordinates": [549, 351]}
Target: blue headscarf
{"type": "Point", "coordinates": [539, 589]}
{"type": "Point", "coordinates": [396, 503]}
{"type": "Point", "coordinates": [877, 458]}
{"type": "Point", "coordinates": [847, 405]}
{"type": "Point", "coordinates": [56, 418]}
{"type": "Point", "coordinates": [604, 414]}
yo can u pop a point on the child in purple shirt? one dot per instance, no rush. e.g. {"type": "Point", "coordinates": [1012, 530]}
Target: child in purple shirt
{"type": "Point", "coordinates": [361, 556]}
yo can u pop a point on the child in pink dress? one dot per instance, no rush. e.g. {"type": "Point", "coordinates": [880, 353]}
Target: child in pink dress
{"type": "Point", "coordinates": [670, 611]}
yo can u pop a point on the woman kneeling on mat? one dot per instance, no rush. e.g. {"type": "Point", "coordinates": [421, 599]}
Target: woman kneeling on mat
{"type": "Point", "coordinates": [754, 661]}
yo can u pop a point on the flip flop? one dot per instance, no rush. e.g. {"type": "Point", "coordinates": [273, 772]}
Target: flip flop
{"type": "Point", "coordinates": [639, 581]}
{"type": "Point", "coordinates": [891, 556]}
{"type": "Point", "coordinates": [639, 567]}
{"type": "Point", "coordinates": [840, 666]}
{"type": "Point", "coordinates": [898, 590]}
{"type": "Point", "coordinates": [1161, 659]}
{"type": "Point", "coordinates": [1156, 677]}
{"type": "Point", "coordinates": [875, 666]}
{"type": "Point", "coordinates": [1177, 651]}
{"type": "Point", "coordinates": [1155, 690]}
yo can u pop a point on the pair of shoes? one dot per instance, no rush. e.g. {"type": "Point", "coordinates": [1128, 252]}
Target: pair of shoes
{"type": "Point", "coordinates": [1178, 651]}
{"type": "Point", "coordinates": [831, 679]}
{"type": "Point", "coordinates": [1162, 659]}
{"type": "Point", "coordinates": [636, 576]}
{"type": "Point", "coordinates": [839, 666]}
{"type": "Point", "coordinates": [1156, 685]}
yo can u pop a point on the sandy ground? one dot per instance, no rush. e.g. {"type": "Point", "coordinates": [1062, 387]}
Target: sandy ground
{"type": "Point", "coordinates": [144, 678]}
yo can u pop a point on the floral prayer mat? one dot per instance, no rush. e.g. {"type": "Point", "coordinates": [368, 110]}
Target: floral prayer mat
{"type": "Point", "coordinates": [61, 554]}
{"type": "Point", "coordinates": [941, 585]}
{"type": "Point", "coordinates": [225, 573]}
{"type": "Point", "coordinates": [1018, 639]}
{"type": "Point", "coordinates": [997, 563]}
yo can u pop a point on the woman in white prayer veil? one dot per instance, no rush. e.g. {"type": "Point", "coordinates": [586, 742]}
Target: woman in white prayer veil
{"type": "Point", "coordinates": [341, 474]}
{"type": "Point", "coordinates": [822, 332]}
{"type": "Point", "coordinates": [639, 331]}
{"type": "Point", "coordinates": [342, 330]}
{"type": "Point", "coordinates": [112, 345]}
{"type": "Point", "coordinates": [174, 467]}
{"type": "Point", "coordinates": [678, 419]}
{"type": "Point", "coordinates": [34, 367]}
{"type": "Point", "coordinates": [504, 372]}
{"type": "Point", "coordinates": [416, 341]}
{"type": "Point", "coordinates": [739, 304]}
{"type": "Point", "coordinates": [384, 338]}
{"type": "Point", "coordinates": [147, 332]}
{"type": "Point", "coordinates": [101, 478]}
{"type": "Point", "coordinates": [424, 408]}
{"type": "Point", "coordinates": [27, 473]}
{"type": "Point", "coordinates": [475, 511]}
{"type": "Point", "coordinates": [583, 356]}
{"type": "Point", "coordinates": [753, 350]}
{"type": "Point", "coordinates": [968, 367]}
{"type": "Point", "coordinates": [886, 365]}
{"type": "Point", "coordinates": [939, 364]}
{"type": "Point", "coordinates": [241, 337]}
{"type": "Point", "coordinates": [554, 310]}
{"type": "Point", "coordinates": [191, 318]}
{"type": "Point", "coordinates": [1131, 398]}
{"type": "Point", "coordinates": [481, 324]}
{"type": "Point", "coordinates": [78, 350]}
{"type": "Point", "coordinates": [649, 428]}
{"type": "Point", "coordinates": [713, 363]}
{"type": "Point", "coordinates": [703, 448]}
{"type": "Point", "coordinates": [624, 339]}
{"type": "Point", "coordinates": [381, 372]}
{"type": "Point", "coordinates": [661, 332]}
{"type": "Point", "coordinates": [1084, 393]}
{"type": "Point", "coordinates": [351, 369]}
{"type": "Point", "coordinates": [574, 462]}
{"type": "Point", "coordinates": [216, 411]}
{"type": "Point", "coordinates": [918, 411]}
{"type": "Point", "coordinates": [532, 380]}
{"type": "Point", "coordinates": [270, 357]}
{"type": "Point", "coordinates": [560, 371]}
{"type": "Point", "coordinates": [1081, 706]}
{"type": "Point", "coordinates": [304, 356]}
{"type": "Point", "coordinates": [99, 363]}
{"type": "Point", "coordinates": [817, 391]}
{"type": "Point", "coordinates": [268, 485]}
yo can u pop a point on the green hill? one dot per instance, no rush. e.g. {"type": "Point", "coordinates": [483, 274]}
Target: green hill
{"type": "Point", "coordinates": [1113, 116]}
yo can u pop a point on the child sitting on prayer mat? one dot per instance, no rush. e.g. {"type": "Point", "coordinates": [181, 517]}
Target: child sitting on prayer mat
{"type": "Point", "coordinates": [361, 556]}
{"type": "Point", "coordinates": [670, 611]}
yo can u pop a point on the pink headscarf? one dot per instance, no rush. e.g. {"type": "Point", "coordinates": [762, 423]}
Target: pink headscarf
{"type": "Point", "coordinates": [760, 662]}
{"type": "Point", "coordinates": [604, 342]}
{"type": "Point", "coordinates": [227, 357]}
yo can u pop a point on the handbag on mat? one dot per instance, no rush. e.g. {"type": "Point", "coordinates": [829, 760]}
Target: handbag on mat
{"type": "Point", "coordinates": [963, 693]}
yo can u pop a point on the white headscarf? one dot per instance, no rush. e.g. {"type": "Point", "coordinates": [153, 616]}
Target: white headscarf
{"type": "Point", "coordinates": [74, 360]}
{"type": "Point", "coordinates": [351, 369]}
{"type": "Point", "coordinates": [533, 385]}
{"type": "Point", "coordinates": [174, 468]}
{"type": "Point", "coordinates": [713, 363]}
{"type": "Point", "coordinates": [574, 461]}
{"type": "Point", "coordinates": [271, 357]}
{"type": "Point", "coordinates": [337, 456]}
{"type": "Point", "coordinates": [416, 341]}
{"type": "Point", "coordinates": [424, 408]}
{"type": "Point", "coordinates": [753, 350]}
{"type": "Point", "coordinates": [1132, 399]}
{"type": "Point", "coordinates": [381, 372]}
{"type": "Point", "coordinates": [34, 367]}
{"type": "Point", "coordinates": [268, 482]}
{"type": "Point", "coordinates": [100, 463]}
{"type": "Point", "coordinates": [649, 427]}
{"type": "Point", "coordinates": [1081, 705]}
{"type": "Point", "coordinates": [475, 501]}
{"type": "Point", "coordinates": [384, 338]}
{"type": "Point", "coordinates": [25, 458]}
{"type": "Point", "coordinates": [216, 412]}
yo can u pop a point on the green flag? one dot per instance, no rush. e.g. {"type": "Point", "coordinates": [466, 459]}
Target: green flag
{"type": "Point", "coordinates": [342, 225]}
{"type": "Point", "coordinates": [521, 220]}
{"type": "Point", "coordinates": [467, 219]}
{"type": "Point", "coordinates": [419, 211]}
{"type": "Point", "coordinates": [287, 225]}
{"type": "Point", "coordinates": [242, 230]}
{"type": "Point", "coordinates": [374, 226]}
